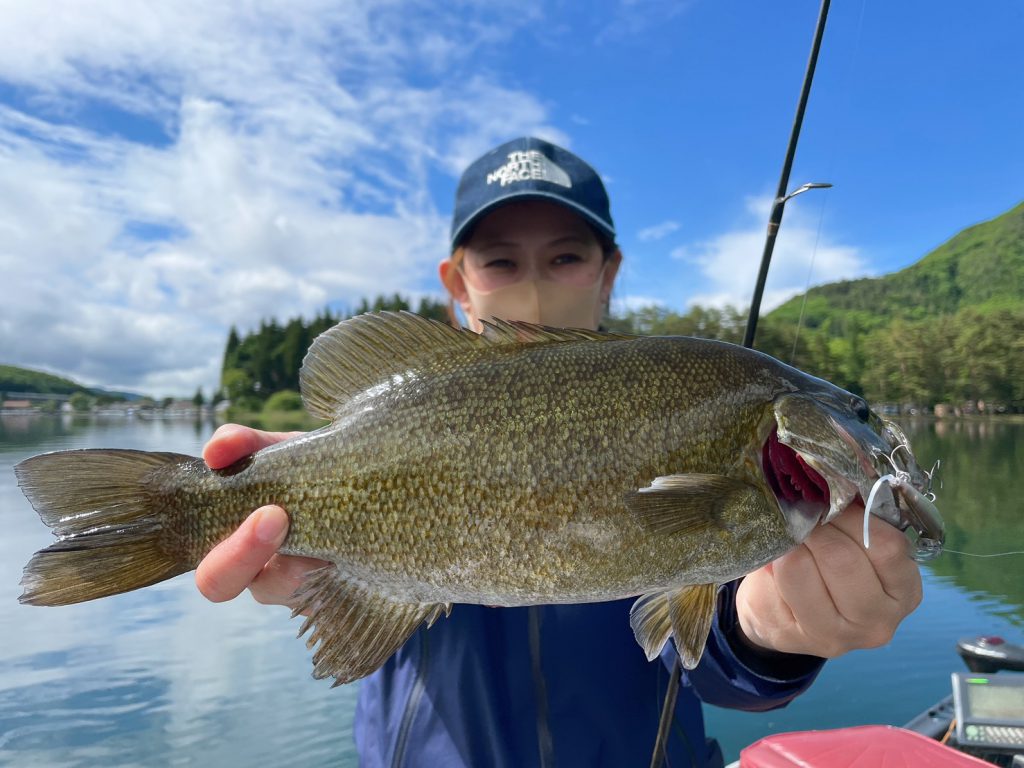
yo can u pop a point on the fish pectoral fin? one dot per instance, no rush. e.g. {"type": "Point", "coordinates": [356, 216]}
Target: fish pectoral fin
{"type": "Point", "coordinates": [683, 613]}
{"type": "Point", "coordinates": [357, 629]}
{"type": "Point", "coordinates": [686, 503]}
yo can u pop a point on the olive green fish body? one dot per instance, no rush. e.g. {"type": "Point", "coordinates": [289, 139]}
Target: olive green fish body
{"type": "Point", "coordinates": [520, 467]}
{"type": "Point", "coordinates": [479, 481]}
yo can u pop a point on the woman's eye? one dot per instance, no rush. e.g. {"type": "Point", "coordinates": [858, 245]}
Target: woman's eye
{"type": "Point", "coordinates": [500, 264]}
{"type": "Point", "coordinates": [567, 258]}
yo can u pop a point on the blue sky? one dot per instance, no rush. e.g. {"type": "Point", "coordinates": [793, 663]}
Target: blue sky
{"type": "Point", "coordinates": [168, 173]}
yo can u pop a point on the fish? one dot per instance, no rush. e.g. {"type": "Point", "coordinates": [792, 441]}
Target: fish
{"type": "Point", "coordinates": [525, 465]}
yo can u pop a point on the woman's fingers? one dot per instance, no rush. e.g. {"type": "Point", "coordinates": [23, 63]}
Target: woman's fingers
{"type": "Point", "coordinates": [830, 595]}
{"type": "Point", "coordinates": [232, 442]}
{"type": "Point", "coordinates": [247, 558]}
{"type": "Point", "coordinates": [233, 564]}
{"type": "Point", "coordinates": [889, 554]}
{"type": "Point", "coordinates": [279, 578]}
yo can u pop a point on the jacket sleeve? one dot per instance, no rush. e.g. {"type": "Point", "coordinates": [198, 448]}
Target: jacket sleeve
{"type": "Point", "coordinates": [732, 675]}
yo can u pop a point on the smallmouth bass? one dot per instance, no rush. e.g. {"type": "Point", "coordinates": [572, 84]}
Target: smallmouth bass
{"type": "Point", "coordinates": [522, 466]}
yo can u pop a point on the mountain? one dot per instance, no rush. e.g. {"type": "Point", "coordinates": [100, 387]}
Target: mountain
{"type": "Point", "coordinates": [981, 267]}
{"type": "Point", "coordinates": [15, 379]}
{"type": "Point", "coordinates": [949, 328]}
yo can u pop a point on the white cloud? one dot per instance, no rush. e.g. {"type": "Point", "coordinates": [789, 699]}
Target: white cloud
{"type": "Point", "coordinates": [167, 173]}
{"type": "Point", "coordinates": [631, 18]}
{"type": "Point", "coordinates": [657, 231]}
{"type": "Point", "coordinates": [729, 262]}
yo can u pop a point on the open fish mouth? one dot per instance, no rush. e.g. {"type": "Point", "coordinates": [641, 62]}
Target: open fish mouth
{"type": "Point", "coordinates": [806, 496]}
{"type": "Point", "coordinates": [796, 484]}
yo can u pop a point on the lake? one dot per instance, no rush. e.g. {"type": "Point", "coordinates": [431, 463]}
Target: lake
{"type": "Point", "coordinates": [162, 677]}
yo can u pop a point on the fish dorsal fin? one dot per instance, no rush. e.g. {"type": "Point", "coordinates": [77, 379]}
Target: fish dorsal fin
{"type": "Point", "coordinates": [519, 332]}
{"type": "Point", "coordinates": [370, 349]}
{"type": "Point", "coordinates": [685, 614]}
{"type": "Point", "coordinates": [356, 629]}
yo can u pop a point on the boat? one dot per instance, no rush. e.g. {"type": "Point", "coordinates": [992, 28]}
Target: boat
{"type": "Point", "coordinates": [980, 723]}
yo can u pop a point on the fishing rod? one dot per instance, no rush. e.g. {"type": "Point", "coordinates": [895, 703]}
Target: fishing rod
{"type": "Point", "coordinates": [779, 204]}
{"type": "Point", "coordinates": [660, 754]}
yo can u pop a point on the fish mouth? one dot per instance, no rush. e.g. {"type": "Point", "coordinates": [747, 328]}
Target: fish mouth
{"type": "Point", "coordinates": [802, 492]}
{"type": "Point", "coordinates": [807, 497]}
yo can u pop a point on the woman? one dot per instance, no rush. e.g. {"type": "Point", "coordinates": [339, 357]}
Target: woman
{"type": "Point", "coordinates": [532, 239]}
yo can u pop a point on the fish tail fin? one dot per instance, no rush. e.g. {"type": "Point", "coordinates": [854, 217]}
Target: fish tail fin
{"type": "Point", "coordinates": [109, 519]}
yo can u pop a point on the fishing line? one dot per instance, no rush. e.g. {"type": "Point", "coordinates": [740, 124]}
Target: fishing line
{"type": "Point", "coordinates": [852, 64]}
{"type": "Point", "coordinates": [807, 285]}
{"type": "Point", "coordinates": [892, 480]}
{"type": "Point", "coordinates": [972, 554]}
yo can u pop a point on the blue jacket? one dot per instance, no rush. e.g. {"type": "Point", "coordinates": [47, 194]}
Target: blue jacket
{"type": "Point", "coordinates": [556, 685]}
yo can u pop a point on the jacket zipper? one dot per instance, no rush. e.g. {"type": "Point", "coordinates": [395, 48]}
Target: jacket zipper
{"type": "Point", "coordinates": [413, 703]}
{"type": "Point", "coordinates": [545, 746]}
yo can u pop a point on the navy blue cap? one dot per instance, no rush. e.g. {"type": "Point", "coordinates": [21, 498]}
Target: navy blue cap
{"type": "Point", "coordinates": [529, 169]}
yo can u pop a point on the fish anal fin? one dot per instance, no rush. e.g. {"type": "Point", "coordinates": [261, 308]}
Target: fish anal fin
{"type": "Point", "coordinates": [684, 614]}
{"type": "Point", "coordinates": [688, 503]}
{"type": "Point", "coordinates": [692, 610]}
{"type": "Point", "coordinates": [354, 629]}
{"type": "Point", "coordinates": [652, 625]}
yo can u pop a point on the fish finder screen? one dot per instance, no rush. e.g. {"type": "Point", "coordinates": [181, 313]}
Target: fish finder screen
{"type": "Point", "coordinates": [996, 702]}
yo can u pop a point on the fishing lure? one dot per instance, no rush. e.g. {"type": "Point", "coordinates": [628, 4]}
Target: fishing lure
{"type": "Point", "coordinates": [920, 512]}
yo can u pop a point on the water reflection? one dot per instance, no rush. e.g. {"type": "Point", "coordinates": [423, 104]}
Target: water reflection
{"type": "Point", "coordinates": [160, 676]}
{"type": "Point", "coordinates": [978, 492]}
{"type": "Point", "coordinates": [43, 432]}
{"type": "Point", "coordinates": [157, 676]}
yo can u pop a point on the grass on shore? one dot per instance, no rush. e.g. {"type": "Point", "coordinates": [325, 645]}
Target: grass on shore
{"type": "Point", "coordinates": [274, 420]}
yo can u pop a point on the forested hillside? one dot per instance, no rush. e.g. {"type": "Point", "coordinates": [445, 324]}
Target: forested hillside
{"type": "Point", "coordinates": [15, 379]}
{"type": "Point", "coordinates": [947, 329]}
{"type": "Point", "coordinates": [268, 360]}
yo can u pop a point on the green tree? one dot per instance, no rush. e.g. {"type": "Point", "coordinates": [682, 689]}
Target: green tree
{"type": "Point", "coordinates": [285, 400]}
{"type": "Point", "coordinates": [81, 402]}
{"type": "Point", "coordinates": [236, 384]}
{"type": "Point", "coordinates": [290, 352]}
{"type": "Point", "coordinates": [231, 350]}
{"type": "Point", "coordinates": [433, 309]}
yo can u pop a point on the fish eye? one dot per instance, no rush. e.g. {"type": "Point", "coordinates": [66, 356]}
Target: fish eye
{"type": "Point", "coordinates": [860, 408]}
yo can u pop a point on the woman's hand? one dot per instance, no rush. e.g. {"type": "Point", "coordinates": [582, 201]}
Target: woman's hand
{"type": "Point", "coordinates": [830, 595]}
{"type": "Point", "coordinates": [247, 557]}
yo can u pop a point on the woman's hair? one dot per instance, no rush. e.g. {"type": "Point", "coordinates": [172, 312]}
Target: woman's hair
{"type": "Point", "coordinates": [608, 249]}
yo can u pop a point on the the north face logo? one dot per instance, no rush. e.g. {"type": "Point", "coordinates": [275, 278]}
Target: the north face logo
{"type": "Point", "coordinates": [526, 166]}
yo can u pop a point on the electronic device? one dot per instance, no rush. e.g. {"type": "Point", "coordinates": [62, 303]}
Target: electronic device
{"type": "Point", "coordinates": [989, 711]}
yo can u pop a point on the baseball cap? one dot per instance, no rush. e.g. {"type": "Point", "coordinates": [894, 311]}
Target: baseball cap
{"type": "Point", "coordinates": [529, 169]}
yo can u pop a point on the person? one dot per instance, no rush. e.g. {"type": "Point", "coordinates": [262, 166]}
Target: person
{"type": "Point", "coordinates": [533, 239]}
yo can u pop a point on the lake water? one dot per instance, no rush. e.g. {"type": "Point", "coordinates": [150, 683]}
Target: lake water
{"type": "Point", "coordinates": [161, 677]}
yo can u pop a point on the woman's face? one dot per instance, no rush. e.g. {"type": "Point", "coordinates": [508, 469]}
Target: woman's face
{"type": "Point", "coordinates": [536, 261]}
